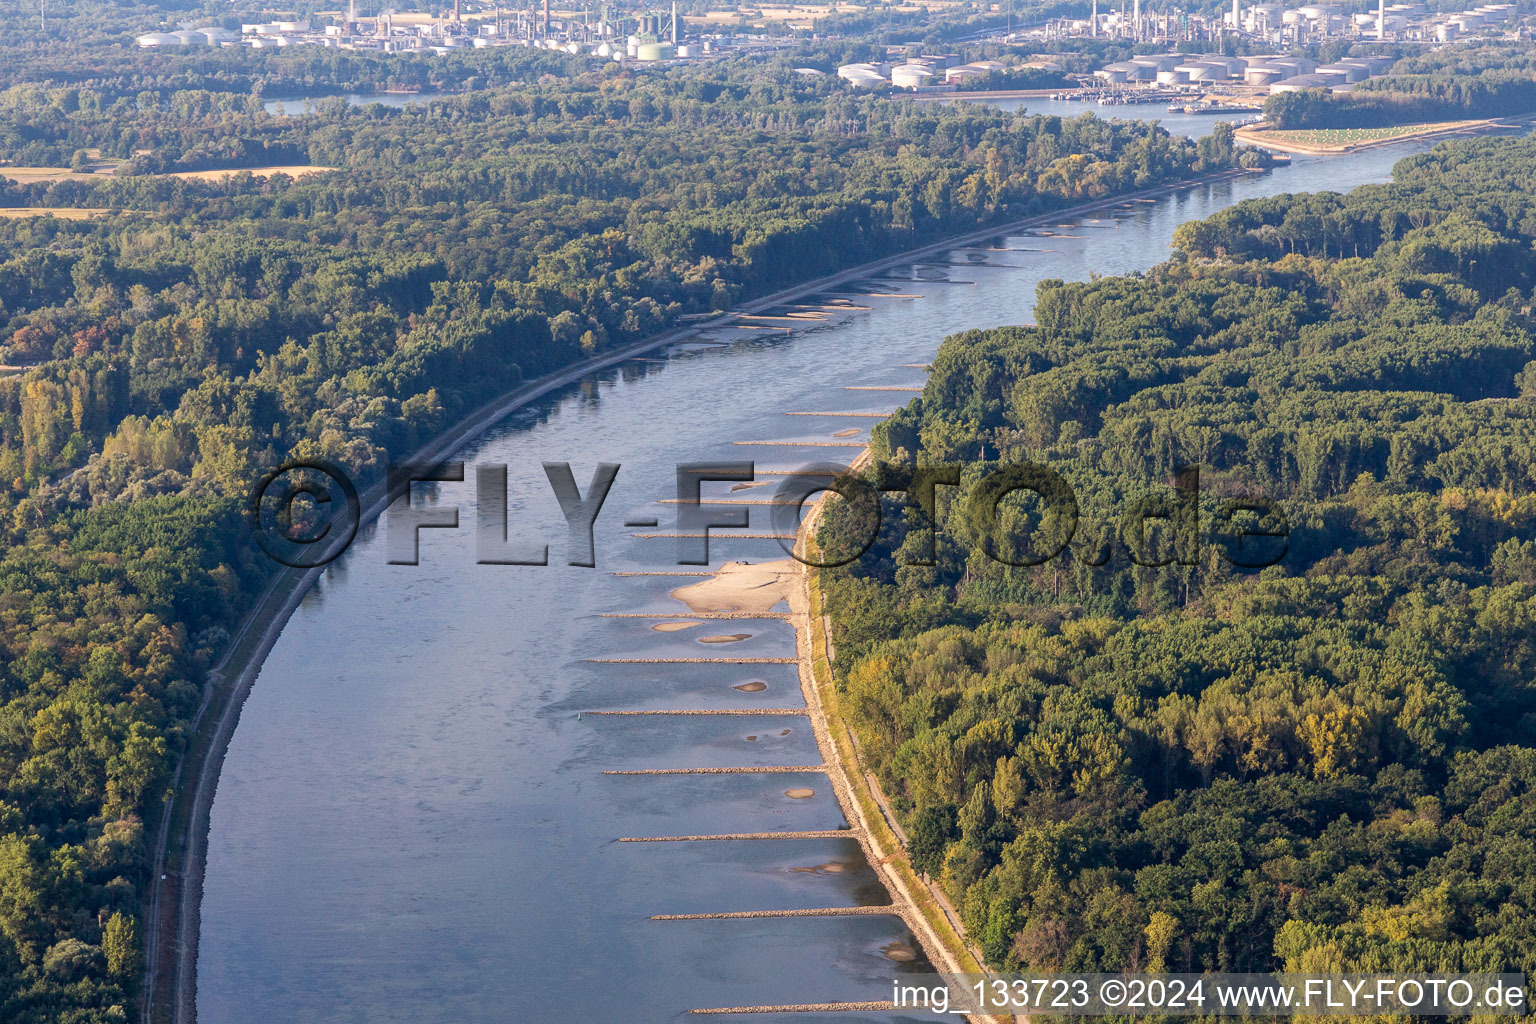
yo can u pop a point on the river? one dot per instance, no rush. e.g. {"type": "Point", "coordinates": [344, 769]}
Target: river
{"type": "Point", "coordinates": [412, 822]}
{"type": "Point", "coordinates": [1192, 125]}
{"type": "Point", "coordinates": [296, 105]}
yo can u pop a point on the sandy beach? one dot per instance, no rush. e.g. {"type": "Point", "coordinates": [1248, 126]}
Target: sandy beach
{"type": "Point", "coordinates": [742, 587]}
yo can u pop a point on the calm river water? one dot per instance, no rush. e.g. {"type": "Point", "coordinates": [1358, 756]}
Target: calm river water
{"type": "Point", "coordinates": [413, 823]}
{"type": "Point", "coordinates": [296, 105]}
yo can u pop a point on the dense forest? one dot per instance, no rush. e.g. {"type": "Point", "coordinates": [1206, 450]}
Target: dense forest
{"type": "Point", "coordinates": [1479, 80]}
{"type": "Point", "coordinates": [1140, 755]}
{"type": "Point", "coordinates": [180, 337]}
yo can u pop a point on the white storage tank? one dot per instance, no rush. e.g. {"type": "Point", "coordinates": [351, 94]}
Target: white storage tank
{"type": "Point", "coordinates": [911, 76]}
{"type": "Point", "coordinates": [1346, 72]}
{"type": "Point", "coordinates": [157, 39]}
{"type": "Point", "coordinates": [1204, 71]}
{"type": "Point", "coordinates": [1267, 16]}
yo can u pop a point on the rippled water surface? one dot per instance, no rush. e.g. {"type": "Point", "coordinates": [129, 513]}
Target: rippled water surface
{"type": "Point", "coordinates": [413, 823]}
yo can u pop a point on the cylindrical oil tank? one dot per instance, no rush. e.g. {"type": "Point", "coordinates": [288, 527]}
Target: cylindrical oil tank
{"type": "Point", "coordinates": [911, 76]}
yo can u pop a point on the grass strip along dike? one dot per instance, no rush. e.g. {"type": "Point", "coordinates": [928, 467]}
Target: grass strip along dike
{"type": "Point", "coordinates": [939, 933]}
{"type": "Point", "coordinates": [1327, 141]}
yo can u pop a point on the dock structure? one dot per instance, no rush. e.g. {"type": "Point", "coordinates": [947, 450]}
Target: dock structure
{"type": "Point", "coordinates": [716, 536]}
{"type": "Point", "coordinates": [885, 910]}
{"type": "Point", "coordinates": [876, 1006]}
{"type": "Point", "coordinates": [694, 615]}
{"type": "Point", "coordinates": [705, 711]}
{"type": "Point", "coordinates": [728, 501]}
{"type": "Point", "coordinates": [903, 904]}
{"type": "Point", "coordinates": [801, 444]}
{"type": "Point", "coordinates": [767, 769]}
{"type": "Point", "coordinates": [659, 573]}
{"type": "Point", "coordinates": [690, 661]}
{"type": "Point", "coordinates": [826, 833]}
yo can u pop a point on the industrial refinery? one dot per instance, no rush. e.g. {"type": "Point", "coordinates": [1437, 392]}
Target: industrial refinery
{"type": "Point", "coordinates": [1275, 24]}
{"type": "Point", "coordinates": [1279, 25]}
{"type": "Point", "coordinates": [646, 37]}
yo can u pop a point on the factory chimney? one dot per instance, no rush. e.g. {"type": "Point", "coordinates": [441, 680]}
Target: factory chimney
{"type": "Point", "coordinates": [1136, 19]}
{"type": "Point", "coordinates": [1381, 19]}
{"type": "Point", "coordinates": [674, 22]}
{"type": "Point", "coordinates": [1093, 24]}
{"type": "Point", "coordinates": [457, 19]}
{"type": "Point", "coordinates": [546, 18]}
{"type": "Point", "coordinates": [1237, 16]}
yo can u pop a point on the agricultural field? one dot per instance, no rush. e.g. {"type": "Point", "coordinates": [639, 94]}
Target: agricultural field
{"type": "Point", "coordinates": [61, 212]}
{"type": "Point", "coordinates": [292, 170]}
{"type": "Point", "coordinates": [27, 175]}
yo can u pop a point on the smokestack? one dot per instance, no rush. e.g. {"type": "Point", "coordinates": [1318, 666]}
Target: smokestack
{"type": "Point", "coordinates": [1136, 19]}
{"type": "Point", "coordinates": [456, 17]}
{"type": "Point", "coordinates": [674, 22]}
{"type": "Point", "coordinates": [1237, 16]}
{"type": "Point", "coordinates": [1381, 19]}
{"type": "Point", "coordinates": [1093, 26]}
{"type": "Point", "coordinates": [546, 18]}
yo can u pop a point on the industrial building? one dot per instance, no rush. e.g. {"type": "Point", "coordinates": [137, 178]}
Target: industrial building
{"type": "Point", "coordinates": [1277, 24]}
{"type": "Point", "coordinates": [189, 37]}
{"type": "Point", "coordinates": [655, 37]}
